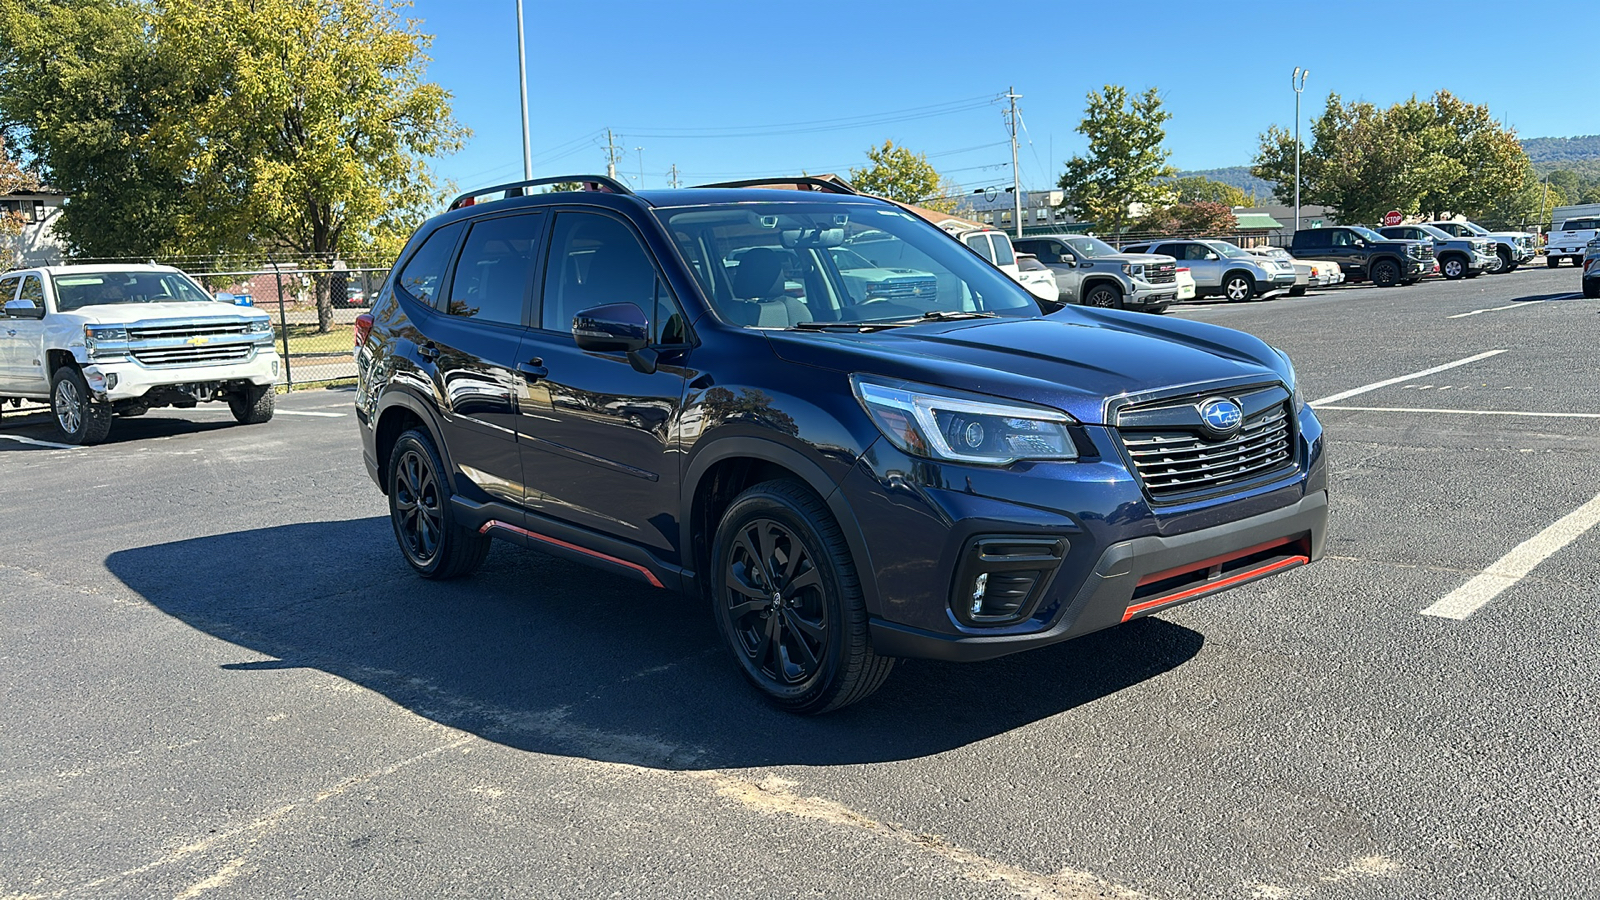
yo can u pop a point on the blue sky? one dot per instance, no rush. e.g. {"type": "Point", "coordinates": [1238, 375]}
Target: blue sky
{"type": "Point", "coordinates": [731, 89]}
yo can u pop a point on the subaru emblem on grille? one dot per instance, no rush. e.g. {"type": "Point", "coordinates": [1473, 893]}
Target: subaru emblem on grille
{"type": "Point", "coordinates": [1221, 415]}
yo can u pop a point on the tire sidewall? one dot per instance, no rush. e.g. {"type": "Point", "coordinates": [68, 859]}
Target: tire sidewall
{"type": "Point", "coordinates": [1459, 267]}
{"type": "Point", "coordinates": [1242, 280]}
{"type": "Point", "coordinates": [1112, 298]}
{"type": "Point", "coordinates": [412, 441]}
{"type": "Point", "coordinates": [772, 505]}
{"type": "Point", "coordinates": [1385, 274]}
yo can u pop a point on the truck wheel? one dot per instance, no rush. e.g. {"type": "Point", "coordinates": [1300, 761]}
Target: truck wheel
{"type": "Point", "coordinates": [1507, 264]}
{"type": "Point", "coordinates": [79, 417]}
{"type": "Point", "coordinates": [1297, 291]}
{"type": "Point", "coordinates": [424, 521]}
{"type": "Point", "coordinates": [1453, 268]}
{"type": "Point", "coordinates": [1104, 296]}
{"type": "Point", "coordinates": [1385, 273]}
{"type": "Point", "coordinates": [788, 603]}
{"type": "Point", "coordinates": [253, 404]}
{"type": "Point", "coordinates": [1591, 289]}
{"type": "Point", "coordinates": [1551, 262]}
{"type": "Point", "coordinates": [1238, 287]}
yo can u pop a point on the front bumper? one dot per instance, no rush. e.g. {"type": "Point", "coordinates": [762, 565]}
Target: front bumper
{"type": "Point", "coordinates": [127, 379]}
{"type": "Point", "coordinates": [1418, 268]}
{"type": "Point", "coordinates": [1119, 555]}
{"type": "Point", "coordinates": [1146, 294]}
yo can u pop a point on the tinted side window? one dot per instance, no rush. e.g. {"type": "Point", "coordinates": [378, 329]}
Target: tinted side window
{"type": "Point", "coordinates": [32, 289]}
{"type": "Point", "coordinates": [594, 260]}
{"type": "Point", "coordinates": [495, 269]}
{"type": "Point", "coordinates": [1002, 250]}
{"type": "Point", "coordinates": [1313, 239]}
{"type": "Point", "coordinates": [424, 271]}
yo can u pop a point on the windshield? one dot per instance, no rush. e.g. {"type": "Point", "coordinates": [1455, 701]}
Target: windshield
{"type": "Point", "coordinates": [79, 289]}
{"type": "Point", "coordinates": [1368, 233]}
{"type": "Point", "coordinates": [1438, 234]}
{"type": "Point", "coordinates": [786, 264]}
{"type": "Point", "coordinates": [1226, 249]}
{"type": "Point", "coordinates": [1476, 229]}
{"type": "Point", "coordinates": [1091, 247]}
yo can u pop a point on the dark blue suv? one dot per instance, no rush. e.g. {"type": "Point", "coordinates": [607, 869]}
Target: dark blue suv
{"type": "Point", "coordinates": [855, 438]}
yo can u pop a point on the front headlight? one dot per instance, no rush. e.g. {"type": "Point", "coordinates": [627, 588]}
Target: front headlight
{"type": "Point", "coordinates": [932, 423]}
{"type": "Point", "coordinates": [260, 326]}
{"type": "Point", "coordinates": [1290, 380]}
{"type": "Point", "coordinates": [1134, 269]}
{"type": "Point", "coordinates": [96, 337]}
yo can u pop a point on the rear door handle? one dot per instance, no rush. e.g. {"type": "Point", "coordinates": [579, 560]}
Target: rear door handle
{"type": "Point", "coordinates": [533, 370]}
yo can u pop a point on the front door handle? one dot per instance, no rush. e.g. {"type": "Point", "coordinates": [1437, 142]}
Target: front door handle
{"type": "Point", "coordinates": [533, 369]}
{"type": "Point", "coordinates": [428, 351]}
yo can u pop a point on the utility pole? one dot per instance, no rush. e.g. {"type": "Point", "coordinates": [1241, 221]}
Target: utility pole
{"type": "Point", "coordinates": [1298, 82]}
{"type": "Point", "coordinates": [1016, 176]}
{"type": "Point", "coordinates": [640, 151]}
{"type": "Point", "coordinates": [522, 74]}
{"type": "Point", "coordinates": [672, 176]}
{"type": "Point", "coordinates": [613, 153]}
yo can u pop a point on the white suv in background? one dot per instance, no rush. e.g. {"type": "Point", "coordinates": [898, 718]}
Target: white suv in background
{"type": "Point", "coordinates": [98, 341]}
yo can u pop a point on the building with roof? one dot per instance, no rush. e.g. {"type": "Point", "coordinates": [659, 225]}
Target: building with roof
{"type": "Point", "coordinates": [37, 244]}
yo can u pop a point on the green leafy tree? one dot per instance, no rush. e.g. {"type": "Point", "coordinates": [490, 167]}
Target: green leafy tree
{"type": "Point", "coordinates": [900, 174]}
{"type": "Point", "coordinates": [1125, 161]}
{"type": "Point", "coordinates": [1193, 219]}
{"type": "Point", "coordinates": [81, 86]}
{"type": "Point", "coordinates": [1434, 156]}
{"type": "Point", "coordinates": [1200, 189]}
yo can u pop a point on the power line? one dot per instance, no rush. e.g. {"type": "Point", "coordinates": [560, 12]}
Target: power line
{"type": "Point", "coordinates": [820, 125]}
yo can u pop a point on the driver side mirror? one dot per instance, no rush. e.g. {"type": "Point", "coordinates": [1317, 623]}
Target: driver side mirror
{"type": "Point", "coordinates": [615, 326]}
{"type": "Point", "coordinates": [23, 309]}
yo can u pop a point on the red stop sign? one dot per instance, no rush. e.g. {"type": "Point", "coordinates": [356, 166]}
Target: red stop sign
{"type": "Point", "coordinates": [1392, 217]}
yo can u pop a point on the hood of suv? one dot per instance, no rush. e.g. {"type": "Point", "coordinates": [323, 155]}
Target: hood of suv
{"type": "Point", "coordinates": [1074, 360]}
{"type": "Point", "coordinates": [124, 313]}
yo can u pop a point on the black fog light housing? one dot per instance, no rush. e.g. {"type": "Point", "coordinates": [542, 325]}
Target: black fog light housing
{"type": "Point", "coordinates": [999, 578]}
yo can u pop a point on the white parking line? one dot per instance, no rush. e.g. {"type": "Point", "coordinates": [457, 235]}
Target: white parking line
{"type": "Point", "coordinates": [33, 443]}
{"type": "Point", "coordinates": [1514, 566]}
{"type": "Point", "coordinates": [1490, 309]}
{"type": "Point", "coordinates": [307, 412]}
{"type": "Point", "coordinates": [1334, 398]}
{"type": "Point", "coordinates": [1468, 412]}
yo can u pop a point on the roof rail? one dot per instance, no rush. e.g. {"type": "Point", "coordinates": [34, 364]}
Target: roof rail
{"type": "Point", "coordinates": [599, 183]}
{"type": "Point", "coordinates": [801, 183]}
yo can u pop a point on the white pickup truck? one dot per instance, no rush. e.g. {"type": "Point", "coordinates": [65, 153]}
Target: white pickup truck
{"type": "Point", "coordinates": [98, 341]}
{"type": "Point", "coordinates": [1570, 240]}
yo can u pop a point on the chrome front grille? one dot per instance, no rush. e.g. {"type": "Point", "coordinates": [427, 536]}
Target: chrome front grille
{"type": "Point", "coordinates": [192, 356]}
{"type": "Point", "coordinates": [167, 330]}
{"type": "Point", "coordinates": [1176, 456]}
{"type": "Point", "coordinates": [1161, 273]}
{"type": "Point", "coordinates": [904, 289]}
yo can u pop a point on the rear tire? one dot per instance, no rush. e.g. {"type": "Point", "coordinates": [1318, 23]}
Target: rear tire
{"type": "Point", "coordinates": [1385, 273]}
{"type": "Point", "coordinates": [1551, 262]}
{"type": "Point", "coordinates": [1591, 289]}
{"type": "Point", "coordinates": [253, 405]}
{"type": "Point", "coordinates": [80, 418]}
{"type": "Point", "coordinates": [788, 604]}
{"type": "Point", "coordinates": [420, 511]}
{"type": "Point", "coordinates": [1104, 296]}
{"type": "Point", "coordinates": [1298, 291]}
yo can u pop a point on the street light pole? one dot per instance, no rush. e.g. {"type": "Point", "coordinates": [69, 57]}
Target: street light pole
{"type": "Point", "coordinates": [1298, 82]}
{"type": "Point", "coordinates": [522, 74]}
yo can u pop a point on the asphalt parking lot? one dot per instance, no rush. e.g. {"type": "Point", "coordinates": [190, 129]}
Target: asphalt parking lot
{"type": "Point", "coordinates": [221, 680]}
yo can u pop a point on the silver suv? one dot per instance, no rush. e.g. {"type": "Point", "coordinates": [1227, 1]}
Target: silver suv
{"type": "Point", "coordinates": [1093, 273]}
{"type": "Point", "coordinates": [1221, 269]}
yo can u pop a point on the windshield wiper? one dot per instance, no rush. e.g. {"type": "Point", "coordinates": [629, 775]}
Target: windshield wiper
{"type": "Point", "coordinates": [845, 326]}
{"type": "Point", "coordinates": [947, 314]}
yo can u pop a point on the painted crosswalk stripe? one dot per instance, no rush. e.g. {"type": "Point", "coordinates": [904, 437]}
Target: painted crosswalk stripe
{"type": "Point", "coordinates": [1514, 566]}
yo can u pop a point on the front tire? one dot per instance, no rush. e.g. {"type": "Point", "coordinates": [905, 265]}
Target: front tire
{"type": "Point", "coordinates": [423, 519]}
{"type": "Point", "coordinates": [79, 417]}
{"type": "Point", "coordinates": [253, 405]}
{"type": "Point", "coordinates": [1238, 287]}
{"type": "Point", "coordinates": [1591, 289]}
{"type": "Point", "coordinates": [1507, 264]}
{"type": "Point", "coordinates": [1453, 268]}
{"type": "Point", "coordinates": [788, 602]}
{"type": "Point", "coordinates": [1104, 296]}
{"type": "Point", "coordinates": [1385, 273]}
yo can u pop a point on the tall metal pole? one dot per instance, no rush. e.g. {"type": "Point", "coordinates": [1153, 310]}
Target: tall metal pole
{"type": "Point", "coordinates": [640, 151]}
{"type": "Point", "coordinates": [1298, 82]}
{"type": "Point", "coordinates": [1016, 176]}
{"type": "Point", "coordinates": [522, 74]}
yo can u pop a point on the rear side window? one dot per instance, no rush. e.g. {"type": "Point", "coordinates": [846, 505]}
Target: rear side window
{"type": "Point", "coordinates": [1580, 225]}
{"type": "Point", "coordinates": [1002, 250]}
{"type": "Point", "coordinates": [495, 269]}
{"type": "Point", "coordinates": [424, 271]}
{"type": "Point", "coordinates": [1316, 237]}
{"type": "Point", "coordinates": [979, 242]}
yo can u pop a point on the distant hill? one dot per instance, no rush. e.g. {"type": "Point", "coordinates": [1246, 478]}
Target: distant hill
{"type": "Point", "coordinates": [1239, 177]}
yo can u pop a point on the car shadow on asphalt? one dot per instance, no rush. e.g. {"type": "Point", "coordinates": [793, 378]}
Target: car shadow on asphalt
{"type": "Point", "coordinates": [547, 656]}
{"type": "Point", "coordinates": [39, 426]}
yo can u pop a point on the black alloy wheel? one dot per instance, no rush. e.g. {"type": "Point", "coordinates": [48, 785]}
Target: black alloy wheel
{"type": "Point", "coordinates": [419, 509]}
{"type": "Point", "coordinates": [1385, 273]}
{"type": "Point", "coordinates": [1453, 268]}
{"type": "Point", "coordinates": [1104, 296]}
{"type": "Point", "coordinates": [788, 603]}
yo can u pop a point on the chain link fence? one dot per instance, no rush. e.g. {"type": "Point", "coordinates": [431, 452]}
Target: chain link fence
{"type": "Point", "coordinates": [313, 312]}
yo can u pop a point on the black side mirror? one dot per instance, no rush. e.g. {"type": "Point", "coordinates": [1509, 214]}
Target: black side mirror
{"type": "Point", "coordinates": [23, 309]}
{"type": "Point", "coordinates": [615, 326]}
